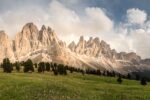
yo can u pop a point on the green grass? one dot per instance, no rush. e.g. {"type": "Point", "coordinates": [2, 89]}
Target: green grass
{"type": "Point", "coordinates": [34, 86]}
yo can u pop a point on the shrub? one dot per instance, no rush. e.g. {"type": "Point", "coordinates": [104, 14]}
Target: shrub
{"type": "Point", "coordinates": [119, 80]}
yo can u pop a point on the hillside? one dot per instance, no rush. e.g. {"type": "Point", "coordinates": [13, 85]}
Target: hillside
{"type": "Point", "coordinates": [34, 86]}
{"type": "Point", "coordinates": [44, 45]}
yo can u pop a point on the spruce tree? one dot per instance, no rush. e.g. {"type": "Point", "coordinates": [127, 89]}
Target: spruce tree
{"type": "Point", "coordinates": [7, 66]}
{"type": "Point", "coordinates": [28, 66]}
{"type": "Point", "coordinates": [41, 67]}
{"type": "Point", "coordinates": [17, 65]}
{"type": "Point", "coordinates": [143, 81]}
{"type": "Point", "coordinates": [47, 66]}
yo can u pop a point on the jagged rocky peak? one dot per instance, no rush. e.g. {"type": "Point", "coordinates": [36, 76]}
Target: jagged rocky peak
{"type": "Point", "coordinates": [105, 49]}
{"type": "Point", "coordinates": [4, 40]}
{"type": "Point", "coordinates": [43, 27]}
{"type": "Point", "coordinates": [97, 40]}
{"type": "Point", "coordinates": [30, 30]}
{"type": "Point", "coordinates": [128, 56]}
{"type": "Point", "coordinates": [72, 46]}
{"type": "Point", "coordinates": [2, 33]}
{"type": "Point", "coordinates": [80, 46]}
{"type": "Point", "coordinates": [27, 39]}
{"type": "Point", "coordinates": [132, 56]}
{"type": "Point", "coordinates": [47, 36]}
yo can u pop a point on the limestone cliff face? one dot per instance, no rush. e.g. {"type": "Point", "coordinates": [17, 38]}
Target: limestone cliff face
{"type": "Point", "coordinates": [26, 40]}
{"type": "Point", "coordinates": [96, 48]}
{"type": "Point", "coordinates": [44, 45]}
{"type": "Point", "coordinates": [6, 47]}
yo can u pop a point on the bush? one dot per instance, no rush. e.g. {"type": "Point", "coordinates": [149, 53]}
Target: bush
{"type": "Point", "coordinates": [119, 80]}
{"type": "Point", "coordinates": [143, 81]}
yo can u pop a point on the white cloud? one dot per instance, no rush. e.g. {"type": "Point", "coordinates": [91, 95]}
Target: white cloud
{"type": "Point", "coordinates": [136, 16]}
{"type": "Point", "coordinates": [12, 21]}
{"type": "Point", "coordinates": [140, 42]}
{"type": "Point", "coordinates": [69, 25]}
{"type": "Point", "coordinates": [98, 20]}
{"type": "Point", "coordinates": [68, 22]}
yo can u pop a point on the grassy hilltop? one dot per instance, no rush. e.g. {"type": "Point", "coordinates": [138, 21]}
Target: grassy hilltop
{"type": "Point", "coordinates": [35, 86]}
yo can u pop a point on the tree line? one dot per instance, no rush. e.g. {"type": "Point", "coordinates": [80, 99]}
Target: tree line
{"type": "Point", "coordinates": [60, 69]}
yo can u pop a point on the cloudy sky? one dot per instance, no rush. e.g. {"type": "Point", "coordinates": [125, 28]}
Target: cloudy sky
{"type": "Point", "coordinates": [124, 24]}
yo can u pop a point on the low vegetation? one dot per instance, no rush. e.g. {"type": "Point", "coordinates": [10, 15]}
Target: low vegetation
{"type": "Point", "coordinates": [52, 81]}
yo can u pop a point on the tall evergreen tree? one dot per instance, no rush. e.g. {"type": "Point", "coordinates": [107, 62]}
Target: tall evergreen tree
{"type": "Point", "coordinates": [28, 66]}
{"type": "Point", "coordinates": [17, 65]}
{"type": "Point", "coordinates": [41, 67]}
{"type": "Point", "coordinates": [7, 66]}
{"type": "Point", "coordinates": [129, 76]}
{"type": "Point", "coordinates": [47, 66]}
{"type": "Point", "coordinates": [143, 81]}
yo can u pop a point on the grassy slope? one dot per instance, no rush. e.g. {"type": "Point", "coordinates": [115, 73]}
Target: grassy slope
{"type": "Point", "coordinates": [34, 86]}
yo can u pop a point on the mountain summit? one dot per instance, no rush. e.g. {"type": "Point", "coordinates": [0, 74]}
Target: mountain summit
{"type": "Point", "coordinates": [44, 45]}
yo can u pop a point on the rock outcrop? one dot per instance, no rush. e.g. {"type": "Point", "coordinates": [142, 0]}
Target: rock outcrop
{"type": "Point", "coordinates": [6, 47]}
{"type": "Point", "coordinates": [44, 45]}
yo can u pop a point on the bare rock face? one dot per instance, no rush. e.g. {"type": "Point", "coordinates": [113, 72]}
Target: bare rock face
{"type": "Point", "coordinates": [44, 45]}
{"type": "Point", "coordinates": [26, 40]}
{"type": "Point", "coordinates": [47, 36]}
{"type": "Point", "coordinates": [80, 46]}
{"type": "Point", "coordinates": [72, 46]}
{"type": "Point", "coordinates": [6, 47]}
{"type": "Point", "coordinates": [133, 57]}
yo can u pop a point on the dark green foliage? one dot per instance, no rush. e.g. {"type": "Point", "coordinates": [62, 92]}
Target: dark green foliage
{"type": "Point", "coordinates": [47, 66]}
{"type": "Point", "coordinates": [119, 80]}
{"type": "Point", "coordinates": [71, 70]}
{"type": "Point", "coordinates": [41, 67]}
{"type": "Point", "coordinates": [83, 72]}
{"type": "Point", "coordinates": [143, 81]}
{"type": "Point", "coordinates": [137, 77]}
{"type": "Point", "coordinates": [35, 65]}
{"type": "Point", "coordinates": [55, 72]}
{"type": "Point", "coordinates": [129, 76]}
{"type": "Point", "coordinates": [61, 69]}
{"type": "Point", "coordinates": [28, 66]}
{"type": "Point", "coordinates": [7, 66]}
{"type": "Point", "coordinates": [17, 65]}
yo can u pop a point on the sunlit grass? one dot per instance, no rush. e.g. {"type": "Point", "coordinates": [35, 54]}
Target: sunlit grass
{"type": "Point", "coordinates": [35, 86]}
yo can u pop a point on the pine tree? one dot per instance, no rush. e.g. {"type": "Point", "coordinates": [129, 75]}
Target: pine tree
{"type": "Point", "coordinates": [41, 67]}
{"type": "Point", "coordinates": [129, 76]}
{"type": "Point", "coordinates": [47, 66]}
{"type": "Point", "coordinates": [17, 65]}
{"type": "Point", "coordinates": [137, 77]}
{"type": "Point", "coordinates": [143, 81]}
{"type": "Point", "coordinates": [35, 65]}
{"type": "Point", "coordinates": [28, 66]}
{"type": "Point", "coordinates": [7, 66]}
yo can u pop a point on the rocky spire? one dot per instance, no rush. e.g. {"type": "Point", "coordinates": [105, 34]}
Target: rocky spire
{"type": "Point", "coordinates": [72, 46]}
{"type": "Point", "coordinates": [6, 47]}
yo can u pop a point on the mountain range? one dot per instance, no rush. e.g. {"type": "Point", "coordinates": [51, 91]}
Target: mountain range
{"type": "Point", "coordinates": [44, 45]}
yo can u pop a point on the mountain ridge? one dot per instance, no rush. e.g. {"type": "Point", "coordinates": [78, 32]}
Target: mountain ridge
{"type": "Point", "coordinates": [44, 45]}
